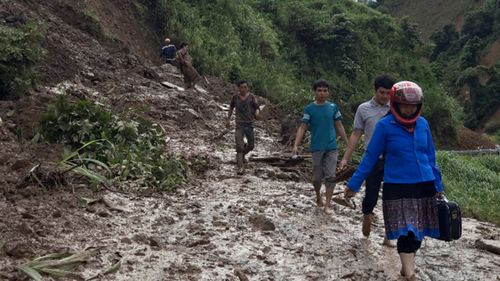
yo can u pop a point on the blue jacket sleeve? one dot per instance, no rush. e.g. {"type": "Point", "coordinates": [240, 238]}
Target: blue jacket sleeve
{"type": "Point", "coordinates": [431, 155]}
{"type": "Point", "coordinates": [375, 148]}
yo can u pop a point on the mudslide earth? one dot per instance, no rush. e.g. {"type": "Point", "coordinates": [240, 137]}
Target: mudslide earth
{"type": "Point", "coordinates": [263, 225]}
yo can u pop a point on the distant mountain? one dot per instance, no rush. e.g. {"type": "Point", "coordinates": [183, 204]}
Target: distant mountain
{"type": "Point", "coordinates": [465, 38]}
{"type": "Point", "coordinates": [431, 15]}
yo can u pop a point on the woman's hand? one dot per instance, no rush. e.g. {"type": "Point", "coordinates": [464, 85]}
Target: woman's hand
{"type": "Point", "coordinates": [439, 195]}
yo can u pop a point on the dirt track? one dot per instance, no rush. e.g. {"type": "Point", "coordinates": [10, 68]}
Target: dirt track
{"type": "Point", "coordinates": [262, 226]}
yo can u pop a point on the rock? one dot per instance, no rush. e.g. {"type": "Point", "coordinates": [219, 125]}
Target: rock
{"type": "Point", "coordinates": [270, 261]}
{"type": "Point", "coordinates": [168, 220]}
{"type": "Point", "coordinates": [262, 223]}
{"type": "Point", "coordinates": [20, 164]}
{"type": "Point", "coordinates": [195, 243]}
{"type": "Point", "coordinates": [7, 276]}
{"type": "Point", "coordinates": [57, 214]}
{"type": "Point", "coordinates": [239, 273]}
{"type": "Point", "coordinates": [29, 191]}
{"type": "Point", "coordinates": [27, 216]}
{"type": "Point", "coordinates": [284, 176]}
{"type": "Point", "coordinates": [126, 240]}
{"type": "Point", "coordinates": [266, 249]}
{"type": "Point", "coordinates": [21, 210]}
{"type": "Point", "coordinates": [492, 246]}
{"type": "Point", "coordinates": [171, 85]}
{"type": "Point", "coordinates": [263, 202]}
{"type": "Point", "coordinates": [11, 178]}
{"type": "Point", "coordinates": [103, 213]}
{"type": "Point", "coordinates": [141, 238]}
{"type": "Point", "coordinates": [154, 242]}
{"type": "Point", "coordinates": [17, 249]}
{"type": "Point", "coordinates": [140, 253]}
{"type": "Point", "coordinates": [26, 229]}
{"type": "Point", "coordinates": [190, 114]}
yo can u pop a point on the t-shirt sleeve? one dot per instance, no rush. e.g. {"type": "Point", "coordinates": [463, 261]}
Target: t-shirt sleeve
{"type": "Point", "coordinates": [233, 102]}
{"type": "Point", "coordinates": [370, 158]}
{"type": "Point", "coordinates": [306, 118]}
{"type": "Point", "coordinates": [336, 113]}
{"type": "Point", "coordinates": [359, 123]}
{"type": "Point", "coordinates": [255, 105]}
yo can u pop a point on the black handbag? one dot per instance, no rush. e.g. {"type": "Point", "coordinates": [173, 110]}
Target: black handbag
{"type": "Point", "coordinates": [450, 220]}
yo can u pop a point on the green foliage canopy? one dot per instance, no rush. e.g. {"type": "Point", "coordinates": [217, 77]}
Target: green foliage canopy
{"type": "Point", "coordinates": [282, 46]}
{"type": "Point", "coordinates": [456, 63]}
{"type": "Point", "coordinates": [21, 50]}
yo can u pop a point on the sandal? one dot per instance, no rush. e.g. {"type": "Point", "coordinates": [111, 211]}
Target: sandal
{"type": "Point", "coordinates": [345, 202]}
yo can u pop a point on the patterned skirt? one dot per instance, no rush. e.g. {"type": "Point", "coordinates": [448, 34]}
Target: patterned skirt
{"type": "Point", "coordinates": [410, 207]}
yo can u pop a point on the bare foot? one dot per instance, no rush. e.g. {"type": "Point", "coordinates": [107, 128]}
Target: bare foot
{"type": "Point", "coordinates": [388, 243]}
{"type": "Point", "coordinates": [320, 202]}
{"type": "Point", "coordinates": [241, 171]}
{"type": "Point", "coordinates": [328, 210]}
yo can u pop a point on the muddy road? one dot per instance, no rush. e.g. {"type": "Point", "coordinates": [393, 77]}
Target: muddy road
{"type": "Point", "coordinates": [262, 225]}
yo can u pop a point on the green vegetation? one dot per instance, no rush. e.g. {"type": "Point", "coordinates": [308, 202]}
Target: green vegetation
{"type": "Point", "coordinates": [21, 50]}
{"type": "Point", "coordinates": [91, 24]}
{"type": "Point", "coordinates": [125, 147]}
{"type": "Point", "coordinates": [282, 46]}
{"type": "Point", "coordinates": [474, 182]}
{"type": "Point", "coordinates": [456, 62]}
{"type": "Point", "coordinates": [64, 264]}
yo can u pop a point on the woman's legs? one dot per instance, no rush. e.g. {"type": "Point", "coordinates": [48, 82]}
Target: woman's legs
{"type": "Point", "coordinates": [407, 249]}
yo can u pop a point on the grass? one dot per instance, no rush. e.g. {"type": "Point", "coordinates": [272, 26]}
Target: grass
{"type": "Point", "coordinates": [473, 182]}
{"type": "Point", "coordinates": [65, 265]}
{"type": "Point", "coordinates": [57, 265]}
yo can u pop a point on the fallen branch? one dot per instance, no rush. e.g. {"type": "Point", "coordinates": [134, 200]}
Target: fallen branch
{"type": "Point", "coordinates": [491, 246]}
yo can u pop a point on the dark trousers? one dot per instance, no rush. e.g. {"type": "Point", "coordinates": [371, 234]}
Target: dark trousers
{"type": "Point", "coordinates": [408, 244]}
{"type": "Point", "coordinates": [373, 183]}
{"type": "Point", "coordinates": [244, 130]}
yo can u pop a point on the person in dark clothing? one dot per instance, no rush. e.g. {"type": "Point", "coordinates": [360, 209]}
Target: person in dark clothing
{"type": "Point", "coordinates": [169, 52]}
{"type": "Point", "coordinates": [247, 111]}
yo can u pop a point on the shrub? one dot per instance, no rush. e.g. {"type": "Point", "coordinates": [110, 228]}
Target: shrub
{"type": "Point", "coordinates": [474, 182]}
{"type": "Point", "coordinates": [20, 52]}
{"type": "Point", "coordinates": [134, 148]}
{"type": "Point", "coordinates": [493, 128]}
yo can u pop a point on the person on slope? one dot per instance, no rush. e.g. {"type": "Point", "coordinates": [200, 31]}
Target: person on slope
{"type": "Point", "coordinates": [169, 52]}
{"type": "Point", "coordinates": [185, 64]}
{"type": "Point", "coordinates": [247, 111]}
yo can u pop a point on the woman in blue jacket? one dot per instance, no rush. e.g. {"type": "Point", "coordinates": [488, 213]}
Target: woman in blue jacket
{"type": "Point", "coordinates": [411, 181]}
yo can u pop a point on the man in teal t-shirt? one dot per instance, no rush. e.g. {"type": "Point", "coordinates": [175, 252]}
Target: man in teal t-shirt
{"type": "Point", "coordinates": [323, 119]}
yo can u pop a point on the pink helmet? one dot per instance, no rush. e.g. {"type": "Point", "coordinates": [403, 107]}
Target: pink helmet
{"type": "Point", "coordinates": [406, 92]}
